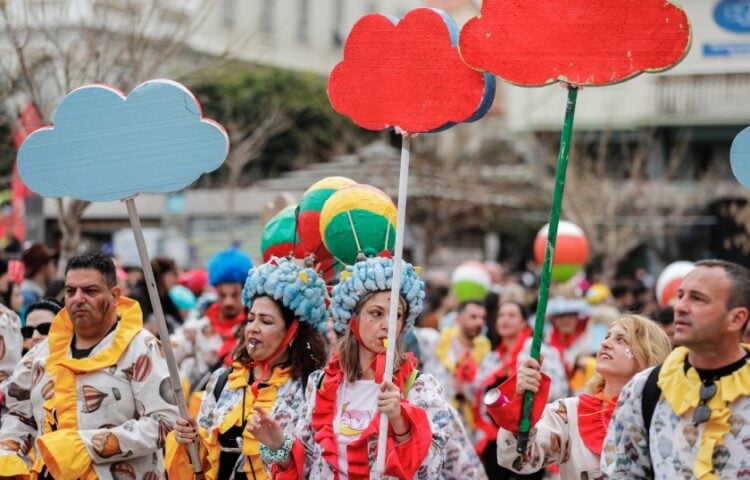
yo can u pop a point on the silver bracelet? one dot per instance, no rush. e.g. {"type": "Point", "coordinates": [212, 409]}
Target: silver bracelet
{"type": "Point", "coordinates": [279, 455]}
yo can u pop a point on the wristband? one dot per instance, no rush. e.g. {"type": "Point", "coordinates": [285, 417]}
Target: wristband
{"type": "Point", "coordinates": [279, 455]}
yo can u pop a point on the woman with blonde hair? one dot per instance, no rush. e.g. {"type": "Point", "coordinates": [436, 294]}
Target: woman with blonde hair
{"type": "Point", "coordinates": [570, 431]}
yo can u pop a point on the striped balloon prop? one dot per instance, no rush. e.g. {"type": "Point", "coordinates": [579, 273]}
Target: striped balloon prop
{"type": "Point", "coordinates": [470, 281]}
{"type": "Point", "coordinates": [279, 236]}
{"type": "Point", "coordinates": [308, 219]}
{"type": "Point", "coordinates": [358, 219]}
{"type": "Point", "coordinates": [571, 252]}
{"type": "Point", "coordinates": [669, 282]}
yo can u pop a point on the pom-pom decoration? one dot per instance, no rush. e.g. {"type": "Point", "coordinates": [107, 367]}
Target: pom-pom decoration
{"type": "Point", "coordinates": [299, 289]}
{"type": "Point", "coordinates": [669, 282]}
{"type": "Point", "coordinates": [470, 281]}
{"type": "Point", "coordinates": [408, 74]}
{"type": "Point", "coordinates": [581, 42]}
{"type": "Point", "coordinates": [358, 219]}
{"type": "Point", "coordinates": [279, 237]}
{"type": "Point", "coordinates": [308, 218]}
{"type": "Point", "coordinates": [229, 266]}
{"type": "Point", "coordinates": [571, 252]}
{"type": "Point", "coordinates": [375, 275]}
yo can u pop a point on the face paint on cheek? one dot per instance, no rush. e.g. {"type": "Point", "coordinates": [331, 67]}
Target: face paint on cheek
{"type": "Point", "coordinates": [103, 307]}
{"type": "Point", "coordinates": [629, 354]}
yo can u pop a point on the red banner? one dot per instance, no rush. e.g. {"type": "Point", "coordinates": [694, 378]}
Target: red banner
{"type": "Point", "coordinates": [28, 121]}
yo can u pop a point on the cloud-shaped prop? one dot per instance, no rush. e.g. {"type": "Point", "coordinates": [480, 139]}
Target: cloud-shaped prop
{"type": "Point", "coordinates": [408, 74]}
{"type": "Point", "coordinates": [583, 42]}
{"type": "Point", "coordinates": [739, 157]}
{"type": "Point", "coordinates": [104, 146]}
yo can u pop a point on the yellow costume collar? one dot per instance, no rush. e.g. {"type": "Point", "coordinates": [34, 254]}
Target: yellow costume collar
{"type": "Point", "coordinates": [443, 349]}
{"type": "Point", "coordinates": [62, 368]}
{"type": "Point", "coordinates": [681, 391]}
{"type": "Point", "coordinates": [266, 399]}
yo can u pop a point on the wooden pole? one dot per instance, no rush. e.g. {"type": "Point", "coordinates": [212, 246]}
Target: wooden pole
{"type": "Point", "coordinates": [153, 294]}
{"type": "Point", "coordinates": [398, 253]}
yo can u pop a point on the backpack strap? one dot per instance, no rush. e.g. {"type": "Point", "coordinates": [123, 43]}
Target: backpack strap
{"type": "Point", "coordinates": [221, 381]}
{"type": "Point", "coordinates": [651, 394]}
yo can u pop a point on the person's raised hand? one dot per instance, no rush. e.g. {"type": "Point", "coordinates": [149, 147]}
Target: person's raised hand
{"type": "Point", "coordinates": [266, 429]}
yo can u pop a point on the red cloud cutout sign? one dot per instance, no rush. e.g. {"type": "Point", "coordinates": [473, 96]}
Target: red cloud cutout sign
{"type": "Point", "coordinates": [583, 42]}
{"type": "Point", "coordinates": [407, 74]}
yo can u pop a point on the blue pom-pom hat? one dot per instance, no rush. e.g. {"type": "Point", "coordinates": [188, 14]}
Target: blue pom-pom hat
{"type": "Point", "coordinates": [372, 275]}
{"type": "Point", "coordinates": [229, 266]}
{"type": "Point", "coordinates": [299, 289]}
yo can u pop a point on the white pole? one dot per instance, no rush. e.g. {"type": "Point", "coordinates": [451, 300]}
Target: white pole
{"type": "Point", "coordinates": [403, 185]}
{"type": "Point", "coordinates": [153, 294]}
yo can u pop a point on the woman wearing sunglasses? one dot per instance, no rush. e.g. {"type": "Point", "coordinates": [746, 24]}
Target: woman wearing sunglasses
{"type": "Point", "coordinates": [570, 431]}
{"type": "Point", "coordinates": [39, 317]}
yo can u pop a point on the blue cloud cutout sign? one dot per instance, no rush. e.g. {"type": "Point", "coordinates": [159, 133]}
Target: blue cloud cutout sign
{"type": "Point", "coordinates": [105, 146]}
{"type": "Point", "coordinates": [739, 157]}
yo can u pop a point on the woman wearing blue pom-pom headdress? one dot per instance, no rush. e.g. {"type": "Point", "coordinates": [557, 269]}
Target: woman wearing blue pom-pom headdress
{"type": "Point", "coordinates": [336, 436]}
{"type": "Point", "coordinates": [281, 345]}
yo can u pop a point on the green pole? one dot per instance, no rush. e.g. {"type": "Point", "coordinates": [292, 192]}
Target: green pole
{"type": "Point", "coordinates": [554, 220]}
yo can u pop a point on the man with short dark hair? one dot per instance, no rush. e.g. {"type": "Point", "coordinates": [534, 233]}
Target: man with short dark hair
{"type": "Point", "coordinates": [458, 353]}
{"type": "Point", "coordinates": [94, 398]}
{"type": "Point", "coordinates": [696, 424]}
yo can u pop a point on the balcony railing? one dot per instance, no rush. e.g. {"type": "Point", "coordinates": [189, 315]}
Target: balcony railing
{"type": "Point", "coordinates": [710, 98]}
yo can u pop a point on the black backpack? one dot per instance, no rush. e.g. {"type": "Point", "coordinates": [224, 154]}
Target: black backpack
{"type": "Point", "coordinates": [651, 394]}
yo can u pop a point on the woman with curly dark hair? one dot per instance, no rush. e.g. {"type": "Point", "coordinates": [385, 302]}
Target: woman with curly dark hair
{"type": "Point", "coordinates": [280, 346]}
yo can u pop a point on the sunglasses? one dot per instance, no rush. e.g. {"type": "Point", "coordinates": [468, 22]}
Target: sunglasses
{"type": "Point", "coordinates": [702, 411]}
{"type": "Point", "coordinates": [28, 331]}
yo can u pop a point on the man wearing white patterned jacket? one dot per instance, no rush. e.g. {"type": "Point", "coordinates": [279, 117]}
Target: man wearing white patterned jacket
{"type": "Point", "coordinates": [94, 398]}
{"type": "Point", "coordinates": [700, 404]}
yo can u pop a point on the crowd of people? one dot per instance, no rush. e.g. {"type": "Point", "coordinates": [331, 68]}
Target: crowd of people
{"type": "Point", "coordinates": [283, 374]}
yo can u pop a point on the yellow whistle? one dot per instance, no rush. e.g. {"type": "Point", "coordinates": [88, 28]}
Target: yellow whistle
{"type": "Point", "coordinates": [385, 343]}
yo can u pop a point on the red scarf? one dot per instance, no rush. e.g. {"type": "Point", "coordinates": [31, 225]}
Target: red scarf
{"type": "Point", "coordinates": [508, 367]}
{"type": "Point", "coordinates": [325, 412]}
{"type": "Point", "coordinates": [594, 414]}
{"type": "Point", "coordinates": [226, 328]}
{"type": "Point", "coordinates": [562, 343]}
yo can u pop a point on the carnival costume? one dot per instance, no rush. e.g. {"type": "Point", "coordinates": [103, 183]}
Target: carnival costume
{"type": "Point", "coordinates": [225, 442]}
{"type": "Point", "coordinates": [674, 447]}
{"type": "Point", "coordinates": [499, 365]}
{"type": "Point", "coordinates": [105, 416]}
{"type": "Point", "coordinates": [327, 428]}
{"type": "Point", "coordinates": [568, 432]}
{"type": "Point", "coordinates": [11, 344]}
